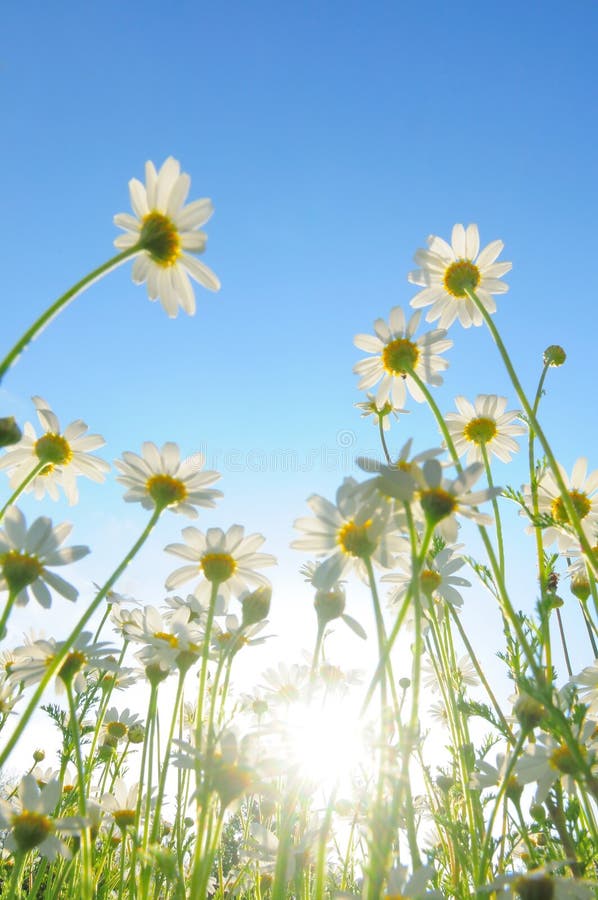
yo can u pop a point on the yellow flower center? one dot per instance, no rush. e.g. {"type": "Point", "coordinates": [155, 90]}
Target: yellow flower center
{"type": "Point", "coordinates": [581, 504]}
{"type": "Point", "coordinates": [355, 539]}
{"type": "Point", "coordinates": [117, 730]}
{"type": "Point", "coordinates": [400, 356]}
{"type": "Point", "coordinates": [72, 664]}
{"type": "Point", "coordinates": [30, 829]}
{"type": "Point", "coordinates": [562, 760]}
{"type": "Point", "coordinates": [480, 431]}
{"type": "Point", "coordinates": [460, 277]}
{"type": "Point", "coordinates": [430, 581]}
{"type": "Point", "coordinates": [437, 504]}
{"type": "Point", "coordinates": [218, 566]}
{"type": "Point", "coordinates": [166, 490]}
{"type": "Point", "coordinates": [19, 569]}
{"type": "Point", "coordinates": [53, 449]}
{"type": "Point", "coordinates": [170, 639]}
{"type": "Point", "coordinates": [160, 237]}
{"type": "Point", "coordinates": [124, 818]}
{"type": "Point", "coordinates": [539, 888]}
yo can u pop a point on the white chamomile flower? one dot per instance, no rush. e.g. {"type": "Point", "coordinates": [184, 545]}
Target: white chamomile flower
{"type": "Point", "coordinates": [159, 479]}
{"type": "Point", "coordinates": [441, 500]}
{"type": "Point", "coordinates": [227, 560]}
{"type": "Point", "coordinates": [587, 686]}
{"type": "Point", "coordinates": [27, 556]}
{"type": "Point", "coordinates": [62, 456]}
{"type": "Point", "coordinates": [583, 493]}
{"type": "Point", "coordinates": [485, 423]}
{"type": "Point", "coordinates": [398, 357]}
{"type": "Point", "coordinates": [380, 415]}
{"type": "Point", "coordinates": [348, 533]}
{"type": "Point", "coordinates": [167, 233]}
{"type": "Point", "coordinates": [541, 884]}
{"type": "Point", "coordinates": [31, 822]}
{"type": "Point", "coordinates": [449, 272]}
{"type": "Point", "coordinates": [437, 577]}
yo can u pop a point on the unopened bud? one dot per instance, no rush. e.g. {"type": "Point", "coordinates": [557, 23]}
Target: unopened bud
{"type": "Point", "coordinates": [39, 755]}
{"type": "Point", "coordinates": [529, 712]}
{"type": "Point", "coordinates": [256, 605]}
{"type": "Point", "coordinates": [137, 733]}
{"type": "Point", "coordinates": [580, 586]}
{"type": "Point", "coordinates": [329, 605]}
{"type": "Point", "coordinates": [554, 356]}
{"type": "Point", "coordinates": [10, 433]}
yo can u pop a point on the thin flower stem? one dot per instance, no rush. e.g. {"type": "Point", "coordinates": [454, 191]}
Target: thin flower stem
{"type": "Point", "coordinates": [383, 440]}
{"type": "Point", "coordinates": [534, 423]}
{"type": "Point", "coordinates": [59, 305]}
{"type": "Point", "coordinates": [86, 867]}
{"type": "Point", "coordinates": [165, 761]}
{"type": "Point", "coordinates": [504, 784]}
{"type": "Point", "coordinates": [497, 518]}
{"type": "Point", "coordinates": [55, 663]}
{"type": "Point", "coordinates": [564, 643]}
{"type": "Point", "coordinates": [19, 490]}
{"type": "Point", "coordinates": [10, 602]}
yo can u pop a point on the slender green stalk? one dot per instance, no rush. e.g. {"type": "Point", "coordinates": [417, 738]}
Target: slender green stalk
{"type": "Point", "coordinates": [86, 864]}
{"type": "Point", "coordinates": [496, 510]}
{"type": "Point", "coordinates": [383, 440]}
{"type": "Point", "coordinates": [534, 423]}
{"type": "Point", "coordinates": [59, 305]}
{"type": "Point", "coordinates": [19, 490]}
{"type": "Point", "coordinates": [504, 784]}
{"type": "Point", "coordinates": [55, 663]}
{"type": "Point", "coordinates": [10, 602]}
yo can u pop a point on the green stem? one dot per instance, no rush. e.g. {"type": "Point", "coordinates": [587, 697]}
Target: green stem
{"type": "Point", "coordinates": [86, 866]}
{"type": "Point", "coordinates": [504, 784]}
{"type": "Point", "coordinates": [534, 423]}
{"type": "Point", "coordinates": [12, 596]}
{"type": "Point", "coordinates": [383, 440]}
{"type": "Point", "coordinates": [19, 490]}
{"type": "Point", "coordinates": [59, 304]}
{"type": "Point", "coordinates": [55, 663]}
{"type": "Point", "coordinates": [497, 519]}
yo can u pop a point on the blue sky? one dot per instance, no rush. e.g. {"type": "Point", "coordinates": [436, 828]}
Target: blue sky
{"type": "Point", "coordinates": [333, 138]}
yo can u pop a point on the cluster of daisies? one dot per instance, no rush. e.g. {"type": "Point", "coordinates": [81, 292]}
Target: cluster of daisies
{"type": "Point", "coordinates": [402, 519]}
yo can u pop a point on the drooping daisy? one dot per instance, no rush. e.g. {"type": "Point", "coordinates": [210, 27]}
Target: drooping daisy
{"type": "Point", "coordinates": [381, 414]}
{"type": "Point", "coordinates": [30, 820]}
{"type": "Point", "coordinates": [167, 232]}
{"type": "Point", "coordinates": [485, 423]}
{"type": "Point", "coordinates": [64, 454]}
{"type": "Point", "coordinates": [227, 559]}
{"type": "Point", "coordinates": [441, 500]}
{"type": "Point", "coordinates": [31, 661]}
{"type": "Point", "coordinates": [449, 271]}
{"type": "Point", "coordinates": [26, 555]}
{"type": "Point", "coordinates": [348, 533]}
{"type": "Point", "coordinates": [158, 479]}
{"type": "Point", "coordinates": [397, 354]}
{"type": "Point", "coordinates": [583, 493]}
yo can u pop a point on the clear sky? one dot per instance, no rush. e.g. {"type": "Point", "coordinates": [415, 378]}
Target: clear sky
{"type": "Point", "coordinates": [333, 137]}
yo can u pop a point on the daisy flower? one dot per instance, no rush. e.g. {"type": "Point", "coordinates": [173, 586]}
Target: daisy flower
{"type": "Point", "coordinates": [347, 533]}
{"type": "Point", "coordinates": [64, 455]}
{"type": "Point", "coordinates": [441, 500]}
{"type": "Point", "coordinates": [169, 642]}
{"type": "Point", "coordinates": [397, 356]}
{"type": "Point", "coordinates": [547, 760]}
{"type": "Point", "coordinates": [166, 233]}
{"type": "Point", "coordinates": [437, 578]}
{"type": "Point", "coordinates": [226, 559]}
{"type": "Point", "coordinates": [158, 479]}
{"type": "Point", "coordinates": [484, 424]}
{"type": "Point", "coordinates": [582, 489]}
{"type": "Point", "coordinates": [541, 884]}
{"type": "Point", "coordinates": [383, 414]}
{"type": "Point", "coordinates": [450, 271]}
{"type": "Point", "coordinates": [31, 661]}
{"type": "Point", "coordinates": [116, 725]}
{"type": "Point", "coordinates": [587, 686]}
{"type": "Point", "coordinates": [26, 556]}
{"type": "Point", "coordinates": [30, 822]}
{"type": "Point", "coordinates": [121, 803]}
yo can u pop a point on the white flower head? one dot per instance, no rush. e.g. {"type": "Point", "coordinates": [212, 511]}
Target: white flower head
{"type": "Point", "coordinates": [380, 414]}
{"type": "Point", "coordinates": [485, 423]}
{"type": "Point", "coordinates": [441, 499]}
{"type": "Point", "coordinates": [450, 271]}
{"type": "Point", "coordinates": [64, 454]}
{"type": "Point", "coordinates": [159, 479]}
{"type": "Point", "coordinates": [348, 533]}
{"type": "Point", "coordinates": [31, 823]}
{"type": "Point", "coordinates": [226, 559]}
{"type": "Point", "coordinates": [398, 355]}
{"type": "Point", "coordinates": [583, 493]}
{"type": "Point", "coordinates": [27, 556]}
{"type": "Point", "coordinates": [437, 578]}
{"type": "Point", "coordinates": [166, 231]}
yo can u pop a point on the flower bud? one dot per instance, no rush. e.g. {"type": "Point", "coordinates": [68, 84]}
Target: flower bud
{"type": "Point", "coordinates": [10, 433]}
{"type": "Point", "coordinates": [39, 755]}
{"type": "Point", "coordinates": [329, 605]}
{"type": "Point", "coordinates": [554, 356]}
{"type": "Point", "coordinates": [256, 606]}
{"type": "Point", "coordinates": [580, 586]}
{"type": "Point", "coordinates": [137, 733]}
{"type": "Point", "coordinates": [529, 712]}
